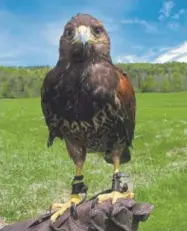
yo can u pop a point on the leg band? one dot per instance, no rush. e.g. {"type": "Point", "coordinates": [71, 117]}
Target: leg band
{"type": "Point", "coordinates": [78, 185]}
{"type": "Point", "coordinates": [116, 182]}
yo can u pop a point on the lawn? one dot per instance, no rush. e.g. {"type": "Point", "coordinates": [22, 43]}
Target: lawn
{"type": "Point", "coordinates": [32, 176]}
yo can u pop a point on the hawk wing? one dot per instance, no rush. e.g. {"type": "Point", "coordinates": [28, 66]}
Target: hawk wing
{"type": "Point", "coordinates": [48, 95]}
{"type": "Point", "coordinates": [125, 93]}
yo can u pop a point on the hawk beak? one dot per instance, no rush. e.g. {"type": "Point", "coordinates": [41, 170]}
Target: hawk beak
{"type": "Point", "coordinates": [83, 35]}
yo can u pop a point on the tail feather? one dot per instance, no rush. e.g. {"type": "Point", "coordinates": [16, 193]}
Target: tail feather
{"type": "Point", "coordinates": [50, 140]}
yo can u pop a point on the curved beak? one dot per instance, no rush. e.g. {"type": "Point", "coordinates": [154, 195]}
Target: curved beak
{"type": "Point", "coordinates": [83, 35]}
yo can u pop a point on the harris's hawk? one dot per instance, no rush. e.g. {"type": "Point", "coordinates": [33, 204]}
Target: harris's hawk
{"type": "Point", "coordinates": [88, 102]}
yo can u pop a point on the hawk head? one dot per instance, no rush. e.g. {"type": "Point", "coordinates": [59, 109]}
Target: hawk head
{"type": "Point", "coordinates": [84, 36]}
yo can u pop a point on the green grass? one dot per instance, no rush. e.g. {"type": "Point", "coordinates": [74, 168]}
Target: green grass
{"type": "Point", "coordinates": [32, 176]}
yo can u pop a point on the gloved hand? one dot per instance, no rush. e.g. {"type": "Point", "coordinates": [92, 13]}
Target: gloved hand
{"type": "Point", "coordinates": [124, 215]}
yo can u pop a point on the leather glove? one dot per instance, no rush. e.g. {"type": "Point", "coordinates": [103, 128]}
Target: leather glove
{"type": "Point", "coordinates": [124, 215]}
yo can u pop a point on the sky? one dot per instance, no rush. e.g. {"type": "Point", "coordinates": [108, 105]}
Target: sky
{"type": "Point", "coordinates": [140, 30]}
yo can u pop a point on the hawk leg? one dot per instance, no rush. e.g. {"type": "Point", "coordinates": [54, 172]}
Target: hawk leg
{"type": "Point", "coordinates": [78, 187]}
{"type": "Point", "coordinates": [117, 191]}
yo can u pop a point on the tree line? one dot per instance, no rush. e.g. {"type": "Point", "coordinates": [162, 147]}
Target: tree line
{"type": "Point", "coordinates": [22, 82]}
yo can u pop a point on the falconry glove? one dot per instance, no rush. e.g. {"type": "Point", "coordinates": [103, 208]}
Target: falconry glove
{"type": "Point", "coordinates": [124, 215]}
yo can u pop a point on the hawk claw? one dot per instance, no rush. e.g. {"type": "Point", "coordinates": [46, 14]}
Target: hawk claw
{"type": "Point", "coordinates": [114, 196]}
{"type": "Point", "coordinates": [73, 211]}
{"type": "Point", "coordinates": [61, 208]}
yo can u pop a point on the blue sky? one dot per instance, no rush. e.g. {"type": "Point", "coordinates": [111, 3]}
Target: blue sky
{"type": "Point", "coordinates": [140, 30]}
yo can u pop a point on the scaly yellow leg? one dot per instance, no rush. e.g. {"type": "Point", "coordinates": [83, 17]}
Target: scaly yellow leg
{"type": "Point", "coordinates": [78, 171]}
{"type": "Point", "coordinates": [116, 166]}
{"type": "Point", "coordinates": [75, 198]}
{"type": "Point", "coordinates": [115, 195]}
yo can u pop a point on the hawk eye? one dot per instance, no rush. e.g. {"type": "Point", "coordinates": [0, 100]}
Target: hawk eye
{"type": "Point", "coordinates": [69, 33]}
{"type": "Point", "coordinates": [97, 30]}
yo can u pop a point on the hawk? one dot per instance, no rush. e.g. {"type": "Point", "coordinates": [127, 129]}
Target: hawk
{"type": "Point", "coordinates": [89, 103]}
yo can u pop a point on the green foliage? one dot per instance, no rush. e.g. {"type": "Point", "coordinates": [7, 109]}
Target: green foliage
{"type": "Point", "coordinates": [19, 82]}
{"type": "Point", "coordinates": [167, 77]}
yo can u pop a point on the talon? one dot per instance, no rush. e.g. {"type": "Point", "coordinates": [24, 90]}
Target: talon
{"type": "Point", "coordinates": [75, 199]}
{"type": "Point", "coordinates": [94, 202]}
{"type": "Point", "coordinates": [78, 196]}
{"type": "Point", "coordinates": [114, 196]}
{"type": "Point", "coordinates": [73, 211]}
{"type": "Point", "coordinates": [118, 192]}
{"type": "Point", "coordinates": [55, 206]}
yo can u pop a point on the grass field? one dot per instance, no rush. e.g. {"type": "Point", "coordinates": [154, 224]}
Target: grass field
{"type": "Point", "coordinates": [32, 176]}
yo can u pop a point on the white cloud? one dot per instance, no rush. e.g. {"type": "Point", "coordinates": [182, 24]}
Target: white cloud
{"type": "Point", "coordinates": [9, 54]}
{"type": "Point", "coordinates": [9, 50]}
{"type": "Point", "coordinates": [131, 58]}
{"type": "Point", "coordinates": [166, 9]}
{"type": "Point", "coordinates": [166, 13]}
{"type": "Point", "coordinates": [161, 17]}
{"type": "Point", "coordinates": [175, 54]}
{"type": "Point", "coordinates": [156, 55]}
{"type": "Point", "coordinates": [52, 31]}
{"type": "Point", "coordinates": [19, 44]}
{"type": "Point", "coordinates": [149, 28]}
{"type": "Point", "coordinates": [145, 55]}
{"type": "Point", "coordinates": [178, 14]}
{"type": "Point", "coordinates": [173, 25]}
